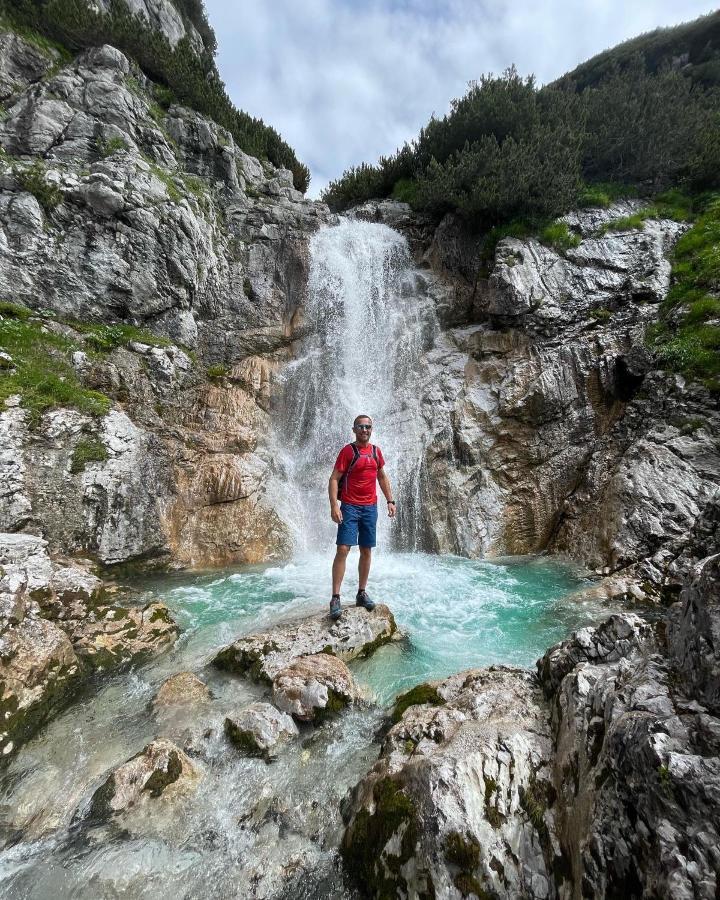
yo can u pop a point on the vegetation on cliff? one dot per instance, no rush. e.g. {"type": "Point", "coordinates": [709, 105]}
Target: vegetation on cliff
{"type": "Point", "coordinates": [191, 77]}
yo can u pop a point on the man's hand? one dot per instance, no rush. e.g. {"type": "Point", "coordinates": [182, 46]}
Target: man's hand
{"type": "Point", "coordinates": [391, 510]}
{"type": "Point", "coordinates": [336, 513]}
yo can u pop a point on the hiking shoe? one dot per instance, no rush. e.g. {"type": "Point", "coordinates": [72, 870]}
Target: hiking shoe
{"type": "Point", "coordinates": [362, 599]}
{"type": "Point", "coordinates": [335, 608]}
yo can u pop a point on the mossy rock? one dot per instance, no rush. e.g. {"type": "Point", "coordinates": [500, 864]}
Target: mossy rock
{"type": "Point", "coordinates": [421, 695]}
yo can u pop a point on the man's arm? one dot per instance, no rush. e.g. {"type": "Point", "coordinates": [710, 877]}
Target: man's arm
{"type": "Point", "coordinates": [335, 511]}
{"type": "Point", "coordinates": [385, 487]}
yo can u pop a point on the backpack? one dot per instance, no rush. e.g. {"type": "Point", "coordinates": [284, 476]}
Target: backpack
{"type": "Point", "coordinates": [356, 457]}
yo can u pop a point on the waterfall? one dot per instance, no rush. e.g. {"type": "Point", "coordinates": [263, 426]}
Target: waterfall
{"type": "Point", "coordinates": [368, 325]}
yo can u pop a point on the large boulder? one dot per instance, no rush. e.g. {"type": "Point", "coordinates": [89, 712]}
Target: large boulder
{"type": "Point", "coordinates": [314, 687]}
{"type": "Point", "coordinates": [262, 656]}
{"type": "Point", "coordinates": [182, 689]}
{"type": "Point", "coordinates": [159, 770]}
{"type": "Point", "coordinates": [461, 801]}
{"type": "Point", "coordinates": [260, 729]}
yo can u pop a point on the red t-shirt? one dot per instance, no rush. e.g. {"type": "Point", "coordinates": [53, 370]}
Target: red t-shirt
{"type": "Point", "coordinates": [359, 486]}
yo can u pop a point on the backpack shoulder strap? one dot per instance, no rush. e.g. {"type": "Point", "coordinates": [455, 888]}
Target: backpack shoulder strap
{"type": "Point", "coordinates": [374, 452]}
{"type": "Point", "coordinates": [343, 479]}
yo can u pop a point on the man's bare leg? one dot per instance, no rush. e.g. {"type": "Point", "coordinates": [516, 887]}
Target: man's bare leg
{"type": "Point", "coordinates": [364, 567]}
{"type": "Point", "coordinates": [338, 567]}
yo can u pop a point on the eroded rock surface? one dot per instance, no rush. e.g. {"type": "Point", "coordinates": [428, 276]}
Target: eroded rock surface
{"type": "Point", "coordinates": [357, 633]}
{"type": "Point", "coordinates": [314, 687]}
{"type": "Point", "coordinates": [159, 770]}
{"type": "Point", "coordinates": [260, 728]}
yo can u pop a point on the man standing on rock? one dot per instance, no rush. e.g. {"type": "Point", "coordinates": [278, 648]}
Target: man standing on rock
{"type": "Point", "coordinates": [353, 507]}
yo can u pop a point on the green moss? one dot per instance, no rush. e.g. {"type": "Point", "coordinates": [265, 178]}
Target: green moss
{"type": "Point", "coordinates": [161, 614]}
{"type": "Point", "coordinates": [113, 145]}
{"type": "Point", "coordinates": [243, 662]}
{"type": "Point", "coordinates": [242, 739]}
{"type": "Point", "coordinates": [336, 704]}
{"type": "Point", "coordinates": [559, 237]}
{"type": "Point", "coordinates": [422, 694]}
{"type": "Point", "coordinates": [106, 338]}
{"type": "Point", "coordinates": [329, 650]}
{"type": "Point", "coordinates": [363, 847]}
{"type": "Point", "coordinates": [34, 180]}
{"type": "Point", "coordinates": [492, 813]}
{"type": "Point", "coordinates": [463, 852]}
{"type": "Point", "coordinates": [160, 778]}
{"type": "Point", "coordinates": [43, 375]}
{"type": "Point", "coordinates": [85, 451]}
{"type": "Point", "coordinates": [600, 314]}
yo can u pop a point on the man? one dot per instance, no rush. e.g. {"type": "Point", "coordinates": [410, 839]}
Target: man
{"type": "Point", "coordinates": [353, 508]}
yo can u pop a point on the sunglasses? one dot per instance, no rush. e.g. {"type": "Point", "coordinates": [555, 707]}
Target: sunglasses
{"type": "Point", "coordinates": [362, 427]}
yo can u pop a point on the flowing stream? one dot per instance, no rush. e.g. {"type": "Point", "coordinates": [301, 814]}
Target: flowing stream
{"type": "Point", "coordinates": [250, 829]}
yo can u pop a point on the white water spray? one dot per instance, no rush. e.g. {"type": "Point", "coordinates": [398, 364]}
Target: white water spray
{"type": "Point", "coordinates": [368, 326]}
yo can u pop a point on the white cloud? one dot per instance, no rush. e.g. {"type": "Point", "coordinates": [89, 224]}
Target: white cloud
{"type": "Point", "coordinates": [345, 81]}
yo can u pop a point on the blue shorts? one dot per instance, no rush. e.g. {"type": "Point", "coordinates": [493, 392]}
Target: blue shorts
{"type": "Point", "coordinates": [358, 525]}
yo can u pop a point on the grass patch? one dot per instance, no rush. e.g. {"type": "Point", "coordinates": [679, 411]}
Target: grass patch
{"type": "Point", "coordinates": [558, 236]}
{"type": "Point", "coordinates": [113, 145]}
{"type": "Point", "coordinates": [600, 314]}
{"type": "Point", "coordinates": [603, 193]}
{"type": "Point", "coordinates": [217, 372]}
{"type": "Point", "coordinates": [51, 49]}
{"type": "Point", "coordinates": [168, 179]}
{"type": "Point", "coordinates": [34, 180]}
{"type": "Point", "coordinates": [86, 451]}
{"type": "Point", "coordinates": [106, 338]}
{"type": "Point", "coordinates": [42, 374]}
{"type": "Point", "coordinates": [687, 337]}
{"type": "Point", "coordinates": [13, 311]}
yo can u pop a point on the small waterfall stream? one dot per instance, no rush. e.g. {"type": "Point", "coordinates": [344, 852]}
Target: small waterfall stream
{"type": "Point", "coordinates": [368, 327]}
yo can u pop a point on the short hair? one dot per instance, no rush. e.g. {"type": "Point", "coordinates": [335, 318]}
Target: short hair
{"type": "Point", "coordinates": [355, 420]}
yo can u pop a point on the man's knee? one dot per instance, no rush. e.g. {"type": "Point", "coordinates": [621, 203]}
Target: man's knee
{"type": "Point", "coordinates": [342, 551]}
{"type": "Point", "coordinates": [366, 551]}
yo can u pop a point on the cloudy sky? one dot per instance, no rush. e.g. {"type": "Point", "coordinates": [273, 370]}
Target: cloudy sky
{"type": "Point", "coordinates": [345, 81]}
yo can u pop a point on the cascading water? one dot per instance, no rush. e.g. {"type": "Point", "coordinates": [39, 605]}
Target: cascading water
{"type": "Point", "coordinates": [368, 327]}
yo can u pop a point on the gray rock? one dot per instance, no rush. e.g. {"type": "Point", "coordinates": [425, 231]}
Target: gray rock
{"type": "Point", "coordinates": [159, 770]}
{"type": "Point", "coordinates": [461, 801]}
{"type": "Point", "coordinates": [262, 656]}
{"type": "Point", "coordinates": [314, 687]}
{"type": "Point", "coordinates": [260, 729]}
{"type": "Point", "coordinates": [21, 64]}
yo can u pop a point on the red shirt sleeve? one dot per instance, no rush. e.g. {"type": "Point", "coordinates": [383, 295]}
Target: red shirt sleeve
{"type": "Point", "coordinates": [344, 459]}
{"type": "Point", "coordinates": [381, 458]}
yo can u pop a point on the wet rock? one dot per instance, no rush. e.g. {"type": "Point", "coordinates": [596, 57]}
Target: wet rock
{"type": "Point", "coordinates": [119, 635]}
{"type": "Point", "coordinates": [160, 770]}
{"type": "Point", "coordinates": [259, 729]}
{"type": "Point", "coordinates": [461, 801]}
{"type": "Point", "coordinates": [182, 689]}
{"type": "Point", "coordinates": [38, 669]}
{"type": "Point", "coordinates": [314, 687]}
{"type": "Point", "coordinates": [356, 633]}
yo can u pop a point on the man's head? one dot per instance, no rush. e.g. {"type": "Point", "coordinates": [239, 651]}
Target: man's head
{"type": "Point", "coordinates": [362, 426]}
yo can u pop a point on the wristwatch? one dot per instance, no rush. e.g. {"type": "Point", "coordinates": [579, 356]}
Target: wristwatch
{"type": "Point", "coordinates": [391, 503]}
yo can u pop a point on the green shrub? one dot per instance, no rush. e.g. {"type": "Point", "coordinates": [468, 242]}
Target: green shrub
{"type": "Point", "coordinates": [405, 190]}
{"type": "Point", "coordinates": [86, 451]}
{"type": "Point", "coordinates": [217, 372]}
{"type": "Point", "coordinates": [113, 145]}
{"type": "Point", "coordinates": [34, 180]}
{"type": "Point", "coordinates": [559, 237]}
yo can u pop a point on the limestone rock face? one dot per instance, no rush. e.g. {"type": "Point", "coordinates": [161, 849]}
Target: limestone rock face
{"type": "Point", "coordinates": [160, 770]}
{"type": "Point", "coordinates": [260, 729]}
{"type": "Point", "coordinates": [357, 633]}
{"type": "Point", "coordinates": [183, 688]}
{"type": "Point", "coordinates": [462, 800]}
{"type": "Point", "coordinates": [164, 225]}
{"type": "Point", "coordinates": [636, 766]}
{"type": "Point", "coordinates": [314, 687]}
